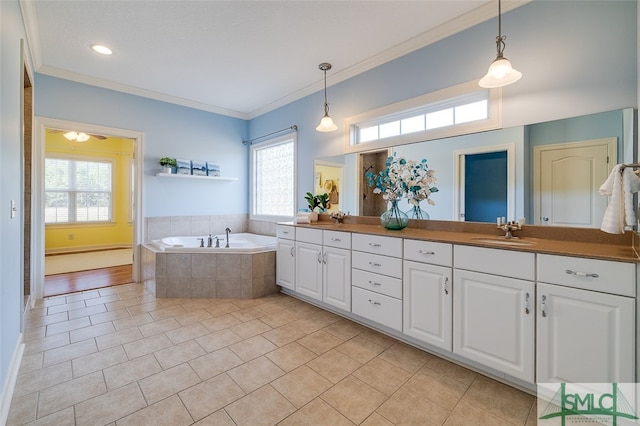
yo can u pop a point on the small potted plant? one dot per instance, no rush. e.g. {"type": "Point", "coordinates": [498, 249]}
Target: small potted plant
{"type": "Point", "coordinates": [323, 202]}
{"type": "Point", "coordinates": [168, 164]}
{"type": "Point", "coordinates": [313, 203]}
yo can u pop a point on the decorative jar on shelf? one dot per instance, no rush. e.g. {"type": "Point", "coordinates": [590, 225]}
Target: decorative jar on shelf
{"type": "Point", "coordinates": [394, 218]}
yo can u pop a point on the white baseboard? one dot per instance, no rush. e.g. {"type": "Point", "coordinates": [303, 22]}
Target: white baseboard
{"type": "Point", "coordinates": [84, 249]}
{"type": "Point", "coordinates": [10, 383]}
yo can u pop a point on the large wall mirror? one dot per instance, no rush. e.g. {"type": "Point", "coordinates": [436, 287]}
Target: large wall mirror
{"type": "Point", "coordinates": [548, 173]}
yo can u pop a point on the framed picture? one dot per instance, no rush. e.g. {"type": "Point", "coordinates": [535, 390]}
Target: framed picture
{"type": "Point", "coordinates": [199, 168]}
{"type": "Point", "coordinates": [213, 168]}
{"type": "Point", "coordinates": [183, 167]}
{"type": "Point", "coordinates": [317, 179]}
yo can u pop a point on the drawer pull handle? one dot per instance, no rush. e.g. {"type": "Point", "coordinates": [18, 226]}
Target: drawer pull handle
{"type": "Point", "coordinates": [319, 257]}
{"type": "Point", "coordinates": [373, 302]}
{"type": "Point", "coordinates": [324, 258]}
{"type": "Point", "coordinates": [374, 283]}
{"type": "Point", "coordinates": [581, 274]}
{"type": "Point", "coordinates": [285, 232]}
{"type": "Point", "coordinates": [446, 285]}
{"type": "Point", "coordinates": [375, 264]}
{"type": "Point", "coordinates": [526, 303]}
{"type": "Point", "coordinates": [544, 305]}
{"type": "Point", "coordinates": [335, 239]}
{"type": "Point", "coordinates": [291, 251]}
{"type": "Point", "coordinates": [429, 253]}
{"type": "Point", "coordinates": [375, 245]}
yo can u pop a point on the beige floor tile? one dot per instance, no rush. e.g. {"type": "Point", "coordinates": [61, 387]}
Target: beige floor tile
{"type": "Point", "coordinates": [315, 413]}
{"type": "Point", "coordinates": [61, 327]}
{"type": "Point", "coordinates": [301, 385]}
{"type": "Point", "coordinates": [334, 365]}
{"type": "Point", "coordinates": [291, 356]}
{"type": "Point", "coordinates": [68, 352]}
{"type": "Point", "coordinates": [500, 400]}
{"type": "Point", "coordinates": [88, 311]}
{"type": "Point", "coordinates": [102, 300]}
{"type": "Point", "coordinates": [284, 335]}
{"type": "Point", "coordinates": [360, 349]}
{"type": "Point", "coordinates": [210, 396]}
{"type": "Point", "coordinates": [166, 313]}
{"type": "Point", "coordinates": [91, 331]}
{"type": "Point", "coordinates": [90, 294]}
{"type": "Point", "coordinates": [532, 419]}
{"type": "Point", "coordinates": [220, 322]}
{"type": "Point", "coordinates": [405, 408]}
{"type": "Point", "coordinates": [214, 363]}
{"type": "Point", "coordinates": [177, 354]}
{"type": "Point", "coordinates": [345, 329]}
{"type": "Point", "coordinates": [171, 381]}
{"type": "Point", "coordinates": [121, 304]}
{"type": "Point", "coordinates": [132, 321]}
{"type": "Point", "coordinates": [406, 357]}
{"type": "Point", "coordinates": [35, 333]}
{"type": "Point", "coordinates": [145, 307]}
{"type": "Point", "coordinates": [467, 414]}
{"type": "Point", "coordinates": [218, 339]}
{"type": "Point", "coordinates": [265, 406]}
{"type": "Point", "coordinates": [222, 309]}
{"type": "Point", "coordinates": [131, 371]}
{"type": "Point", "coordinates": [23, 409]}
{"type": "Point", "coordinates": [452, 370]}
{"type": "Point", "coordinates": [147, 345]}
{"type": "Point", "coordinates": [308, 324]}
{"type": "Point", "coordinates": [64, 417]}
{"type": "Point", "coordinates": [43, 378]}
{"type": "Point", "coordinates": [187, 332]}
{"type": "Point", "coordinates": [383, 376]}
{"type": "Point", "coordinates": [219, 418]}
{"type": "Point", "coordinates": [110, 406]}
{"type": "Point", "coordinates": [108, 316]}
{"type": "Point", "coordinates": [354, 399]}
{"type": "Point", "coordinates": [248, 314]}
{"type": "Point", "coordinates": [255, 373]}
{"type": "Point", "coordinates": [46, 343]}
{"type": "Point", "coordinates": [31, 362]}
{"type": "Point", "coordinates": [378, 338]}
{"type": "Point", "coordinates": [278, 318]}
{"type": "Point", "coordinates": [168, 412]}
{"type": "Point", "coordinates": [252, 347]}
{"type": "Point", "coordinates": [47, 320]}
{"type": "Point", "coordinates": [320, 342]}
{"type": "Point", "coordinates": [158, 326]}
{"type": "Point", "coordinates": [69, 393]}
{"type": "Point", "coordinates": [376, 419]}
{"type": "Point", "coordinates": [98, 361]}
{"type": "Point", "coordinates": [66, 307]}
{"type": "Point", "coordinates": [250, 328]}
{"type": "Point", "coordinates": [118, 338]}
{"type": "Point", "coordinates": [435, 387]}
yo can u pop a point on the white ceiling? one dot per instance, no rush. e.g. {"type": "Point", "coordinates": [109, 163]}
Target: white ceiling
{"type": "Point", "coordinates": [239, 58]}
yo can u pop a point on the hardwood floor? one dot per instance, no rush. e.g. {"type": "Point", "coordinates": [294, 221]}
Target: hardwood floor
{"type": "Point", "coordinates": [87, 280]}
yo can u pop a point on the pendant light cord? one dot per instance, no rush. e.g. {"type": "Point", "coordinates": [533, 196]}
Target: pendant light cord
{"type": "Point", "coordinates": [500, 45]}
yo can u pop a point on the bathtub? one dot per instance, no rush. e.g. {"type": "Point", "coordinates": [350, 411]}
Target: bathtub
{"type": "Point", "coordinates": [238, 243]}
{"type": "Point", "coordinates": [178, 267]}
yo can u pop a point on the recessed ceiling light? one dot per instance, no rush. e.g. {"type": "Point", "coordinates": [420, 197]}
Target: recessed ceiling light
{"type": "Point", "coordinates": [104, 50]}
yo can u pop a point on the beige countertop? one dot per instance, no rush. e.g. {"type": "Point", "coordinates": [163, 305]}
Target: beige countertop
{"type": "Point", "coordinates": [588, 243]}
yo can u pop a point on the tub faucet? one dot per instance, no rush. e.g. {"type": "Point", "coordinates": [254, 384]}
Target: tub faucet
{"type": "Point", "coordinates": [217, 242]}
{"type": "Point", "coordinates": [209, 241]}
{"type": "Point", "coordinates": [201, 242]}
{"type": "Point", "coordinates": [227, 231]}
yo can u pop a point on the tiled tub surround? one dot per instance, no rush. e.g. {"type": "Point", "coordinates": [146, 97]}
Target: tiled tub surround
{"type": "Point", "coordinates": [208, 275]}
{"type": "Point", "coordinates": [174, 226]}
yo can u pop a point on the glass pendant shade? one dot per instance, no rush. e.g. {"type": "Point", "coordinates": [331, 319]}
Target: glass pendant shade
{"type": "Point", "coordinates": [500, 73]}
{"type": "Point", "coordinates": [77, 136]}
{"type": "Point", "coordinates": [326, 124]}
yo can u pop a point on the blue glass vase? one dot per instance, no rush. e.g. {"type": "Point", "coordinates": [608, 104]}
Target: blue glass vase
{"type": "Point", "coordinates": [394, 218]}
{"type": "Point", "coordinates": [417, 213]}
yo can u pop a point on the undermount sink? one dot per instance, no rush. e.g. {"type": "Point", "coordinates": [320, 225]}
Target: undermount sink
{"type": "Point", "coordinates": [502, 241]}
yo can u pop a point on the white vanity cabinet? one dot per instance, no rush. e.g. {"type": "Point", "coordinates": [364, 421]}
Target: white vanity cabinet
{"type": "Point", "coordinates": [428, 295]}
{"type": "Point", "coordinates": [309, 262]}
{"type": "Point", "coordinates": [377, 279]}
{"type": "Point", "coordinates": [493, 305]}
{"type": "Point", "coordinates": [585, 320]}
{"type": "Point", "coordinates": [336, 273]}
{"type": "Point", "coordinates": [285, 256]}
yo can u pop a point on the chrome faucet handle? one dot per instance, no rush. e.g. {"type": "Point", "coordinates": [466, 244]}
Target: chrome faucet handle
{"type": "Point", "coordinates": [217, 242]}
{"type": "Point", "coordinates": [201, 242]}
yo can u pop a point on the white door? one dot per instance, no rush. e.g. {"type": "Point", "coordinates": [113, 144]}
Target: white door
{"type": "Point", "coordinates": [427, 300]}
{"type": "Point", "coordinates": [309, 270]}
{"type": "Point", "coordinates": [493, 322]}
{"type": "Point", "coordinates": [566, 182]}
{"type": "Point", "coordinates": [337, 278]}
{"type": "Point", "coordinates": [285, 264]}
{"type": "Point", "coordinates": [584, 336]}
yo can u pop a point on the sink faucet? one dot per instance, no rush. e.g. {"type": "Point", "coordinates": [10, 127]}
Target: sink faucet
{"type": "Point", "coordinates": [227, 231]}
{"type": "Point", "coordinates": [509, 227]}
{"type": "Point", "coordinates": [209, 241]}
{"type": "Point", "coordinates": [339, 216]}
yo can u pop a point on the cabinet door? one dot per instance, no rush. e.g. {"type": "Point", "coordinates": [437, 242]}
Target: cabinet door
{"type": "Point", "coordinates": [584, 336]}
{"type": "Point", "coordinates": [285, 264]}
{"type": "Point", "coordinates": [336, 278]}
{"type": "Point", "coordinates": [309, 270]}
{"type": "Point", "coordinates": [427, 303]}
{"type": "Point", "coordinates": [493, 322]}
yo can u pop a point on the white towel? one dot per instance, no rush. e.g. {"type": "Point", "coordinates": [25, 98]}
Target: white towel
{"type": "Point", "coordinates": [620, 210]}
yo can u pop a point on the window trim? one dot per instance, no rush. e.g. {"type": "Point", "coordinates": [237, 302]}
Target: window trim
{"type": "Point", "coordinates": [404, 108]}
{"type": "Point", "coordinates": [88, 158]}
{"type": "Point", "coordinates": [252, 187]}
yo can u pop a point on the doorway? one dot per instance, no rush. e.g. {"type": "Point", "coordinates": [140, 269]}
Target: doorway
{"type": "Point", "coordinates": [371, 204]}
{"type": "Point", "coordinates": [92, 214]}
{"type": "Point", "coordinates": [27, 125]}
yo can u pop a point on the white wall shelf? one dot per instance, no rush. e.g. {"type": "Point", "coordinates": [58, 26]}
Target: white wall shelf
{"type": "Point", "coordinates": [173, 175]}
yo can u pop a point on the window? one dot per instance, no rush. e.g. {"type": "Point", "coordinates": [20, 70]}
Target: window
{"type": "Point", "coordinates": [273, 179]}
{"type": "Point", "coordinates": [77, 191]}
{"type": "Point", "coordinates": [458, 110]}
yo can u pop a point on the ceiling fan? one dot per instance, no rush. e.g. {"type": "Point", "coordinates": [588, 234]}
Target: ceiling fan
{"type": "Point", "coordinates": [74, 136]}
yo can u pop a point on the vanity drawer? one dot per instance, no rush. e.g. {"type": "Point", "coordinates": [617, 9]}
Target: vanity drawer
{"type": "Point", "coordinates": [337, 239]}
{"type": "Point", "coordinates": [388, 246]}
{"type": "Point", "coordinates": [378, 283]}
{"type": "Point", "coordinates": [515, 264]}
{"type": "Point", "coordinates": [285, 231]}
{"type": "Point", "coordinates": [428, 252]}
{"type": "Point", "coordinates": [377, 307]}
{"type": "Point", "coordinates": [385, 265]}
{"type": "Point", "coordinates": [308, 235]}
{"type": "Point", "coordinates": [589, 274]}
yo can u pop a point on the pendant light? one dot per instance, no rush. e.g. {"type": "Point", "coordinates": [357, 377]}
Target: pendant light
{"type": "Point", "coordinates": [76, 136]}
{"type": "Point", "coordinates": [326, 124]}
{"type": "Point", "coordinates": [500, 73]}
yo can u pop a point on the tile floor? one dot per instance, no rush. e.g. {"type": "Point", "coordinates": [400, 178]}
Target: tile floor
{"type": "Point", "coordinates": [119, 356]}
